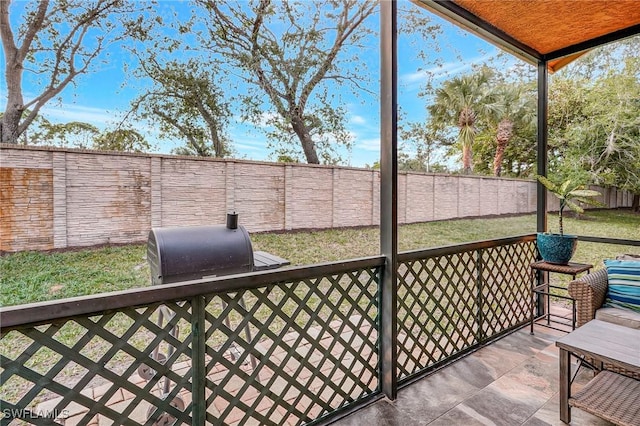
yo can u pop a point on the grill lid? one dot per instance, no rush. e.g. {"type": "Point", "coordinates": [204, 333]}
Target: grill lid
{"type": "Point", "coordinates": [188, 253]}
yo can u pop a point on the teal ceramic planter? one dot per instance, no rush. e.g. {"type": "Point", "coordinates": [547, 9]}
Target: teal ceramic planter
{"type": "Point", "coordinates": [556, 248]}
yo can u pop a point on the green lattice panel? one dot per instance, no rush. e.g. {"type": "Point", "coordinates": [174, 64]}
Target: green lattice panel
{"type": "Point", "coordinates": [451, 303]}
{"type": "Point", "coordinates": [436, 310]}
{"type": "Point", "coordinates": [85, 367]}
{"type": "Point", "coordinates": [293, 352]}
{"type": "Point", "coordinates": [506, 286]}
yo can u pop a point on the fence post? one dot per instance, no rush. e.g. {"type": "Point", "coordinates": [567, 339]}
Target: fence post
{"type": "Point", "coordinates": [479, 296]}
{"type": "Point", "coordinates": [59, 171]}
{"type": "Point", "coordinates": [198, 366]}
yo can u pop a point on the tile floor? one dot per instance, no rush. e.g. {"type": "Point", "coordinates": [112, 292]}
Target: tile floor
{"type": "Point", "coordinates": [513, 381]}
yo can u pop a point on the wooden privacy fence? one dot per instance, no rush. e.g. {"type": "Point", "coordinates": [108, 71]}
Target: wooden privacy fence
{"type": "Point", "coordinates": [55, 198]}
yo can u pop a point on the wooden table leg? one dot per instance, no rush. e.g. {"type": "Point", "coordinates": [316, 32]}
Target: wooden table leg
{"type": "Point", "coordinates": [565, 385]}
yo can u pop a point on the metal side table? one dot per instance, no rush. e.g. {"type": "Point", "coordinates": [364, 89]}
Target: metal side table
{"type": "Point", "coordinates": [541, 290]}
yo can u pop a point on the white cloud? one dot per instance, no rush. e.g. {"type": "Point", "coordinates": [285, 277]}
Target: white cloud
{"type": "Point", "coordinates": [415, 79]}
{"type": "Point", "coordinates": [372, 144]}
{"type": "Point", "coordinates": [69, 112]}
{"type": "Point", "coordinates": [249, 145]}
{"type": "Point", "coordinates": [358, 119]}
{"type": "Point", "coordinates": [266, 118]}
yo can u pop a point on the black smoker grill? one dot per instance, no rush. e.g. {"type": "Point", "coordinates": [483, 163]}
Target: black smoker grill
{"type": "Point", "coordinates": [194, 252]}
{"type": "Point", "coordinates": [187, 253]}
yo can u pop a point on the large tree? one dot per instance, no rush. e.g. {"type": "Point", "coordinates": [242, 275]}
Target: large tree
{"type": "Point", "coordinates": [122, 140]}
{"type": "Point", "coordinates": [418, 149]}
{"type": "Point", "coordinates": [464, 102]}
{"type": "Point", "coordinates": [74, 134]}
{"type": "Point", "coordinates": [594, 127]}
{"type": "Point", "coordinates": [187, 103]}
{"type": "Point", "coordinates": [56, 42]}
{"type": "Point", "coordinates": [606, 141]}
{"type": "Point", "coordinates": [291, 52]}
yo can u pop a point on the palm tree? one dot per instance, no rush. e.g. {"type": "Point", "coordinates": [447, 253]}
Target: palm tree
{"type": "Point", "coordinates": [516, 111]}
{"type": "Point", "coordinates": [463, 102]}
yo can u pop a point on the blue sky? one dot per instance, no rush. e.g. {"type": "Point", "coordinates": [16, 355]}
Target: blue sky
{"type": "Point", "coordinates": [100, 97]}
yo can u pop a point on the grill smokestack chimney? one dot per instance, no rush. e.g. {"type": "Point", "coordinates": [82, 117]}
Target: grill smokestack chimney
{"type": "Point", "coordinates": [232, 220]}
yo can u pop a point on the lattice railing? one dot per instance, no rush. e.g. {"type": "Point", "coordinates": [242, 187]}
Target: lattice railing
{"type": "Point", "coordinates": [277, 351]}
{"type": "Point", "coordinates": [452, 299]}
{"type": "Point", "coordinates": [281, 347]}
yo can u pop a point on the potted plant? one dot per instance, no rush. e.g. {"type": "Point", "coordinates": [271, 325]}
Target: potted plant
{"type": "Point", "coordinates": [559, 248]}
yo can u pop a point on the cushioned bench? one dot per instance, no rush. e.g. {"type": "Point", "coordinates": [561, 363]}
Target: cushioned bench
{"type": "Point", "coordinates": [595, 300]}
{"type": "Point", "coordinates": [590, 293]}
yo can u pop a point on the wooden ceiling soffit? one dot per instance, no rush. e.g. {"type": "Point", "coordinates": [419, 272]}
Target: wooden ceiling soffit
{"type": "Point", "coordinates": [558, 31]}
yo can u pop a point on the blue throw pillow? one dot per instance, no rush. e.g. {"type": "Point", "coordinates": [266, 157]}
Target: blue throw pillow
{"type": "Point", "coordinates": [624, 284]}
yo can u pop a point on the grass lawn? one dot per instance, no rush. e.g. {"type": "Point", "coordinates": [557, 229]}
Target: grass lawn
{"type": "Point", "coordinates": [33, 276]}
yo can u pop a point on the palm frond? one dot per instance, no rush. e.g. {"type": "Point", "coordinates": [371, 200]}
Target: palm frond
{"type": "Point", "coordinates": [589, 201]}
{"type": "Point", "coordinates": [565, 186]}
{"type": "Point", "coordinates": [574, 207]}
{"type": "Point", "coordinates": [584, 193]}
{"type": "Point", "coordinates": [548, 184]}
